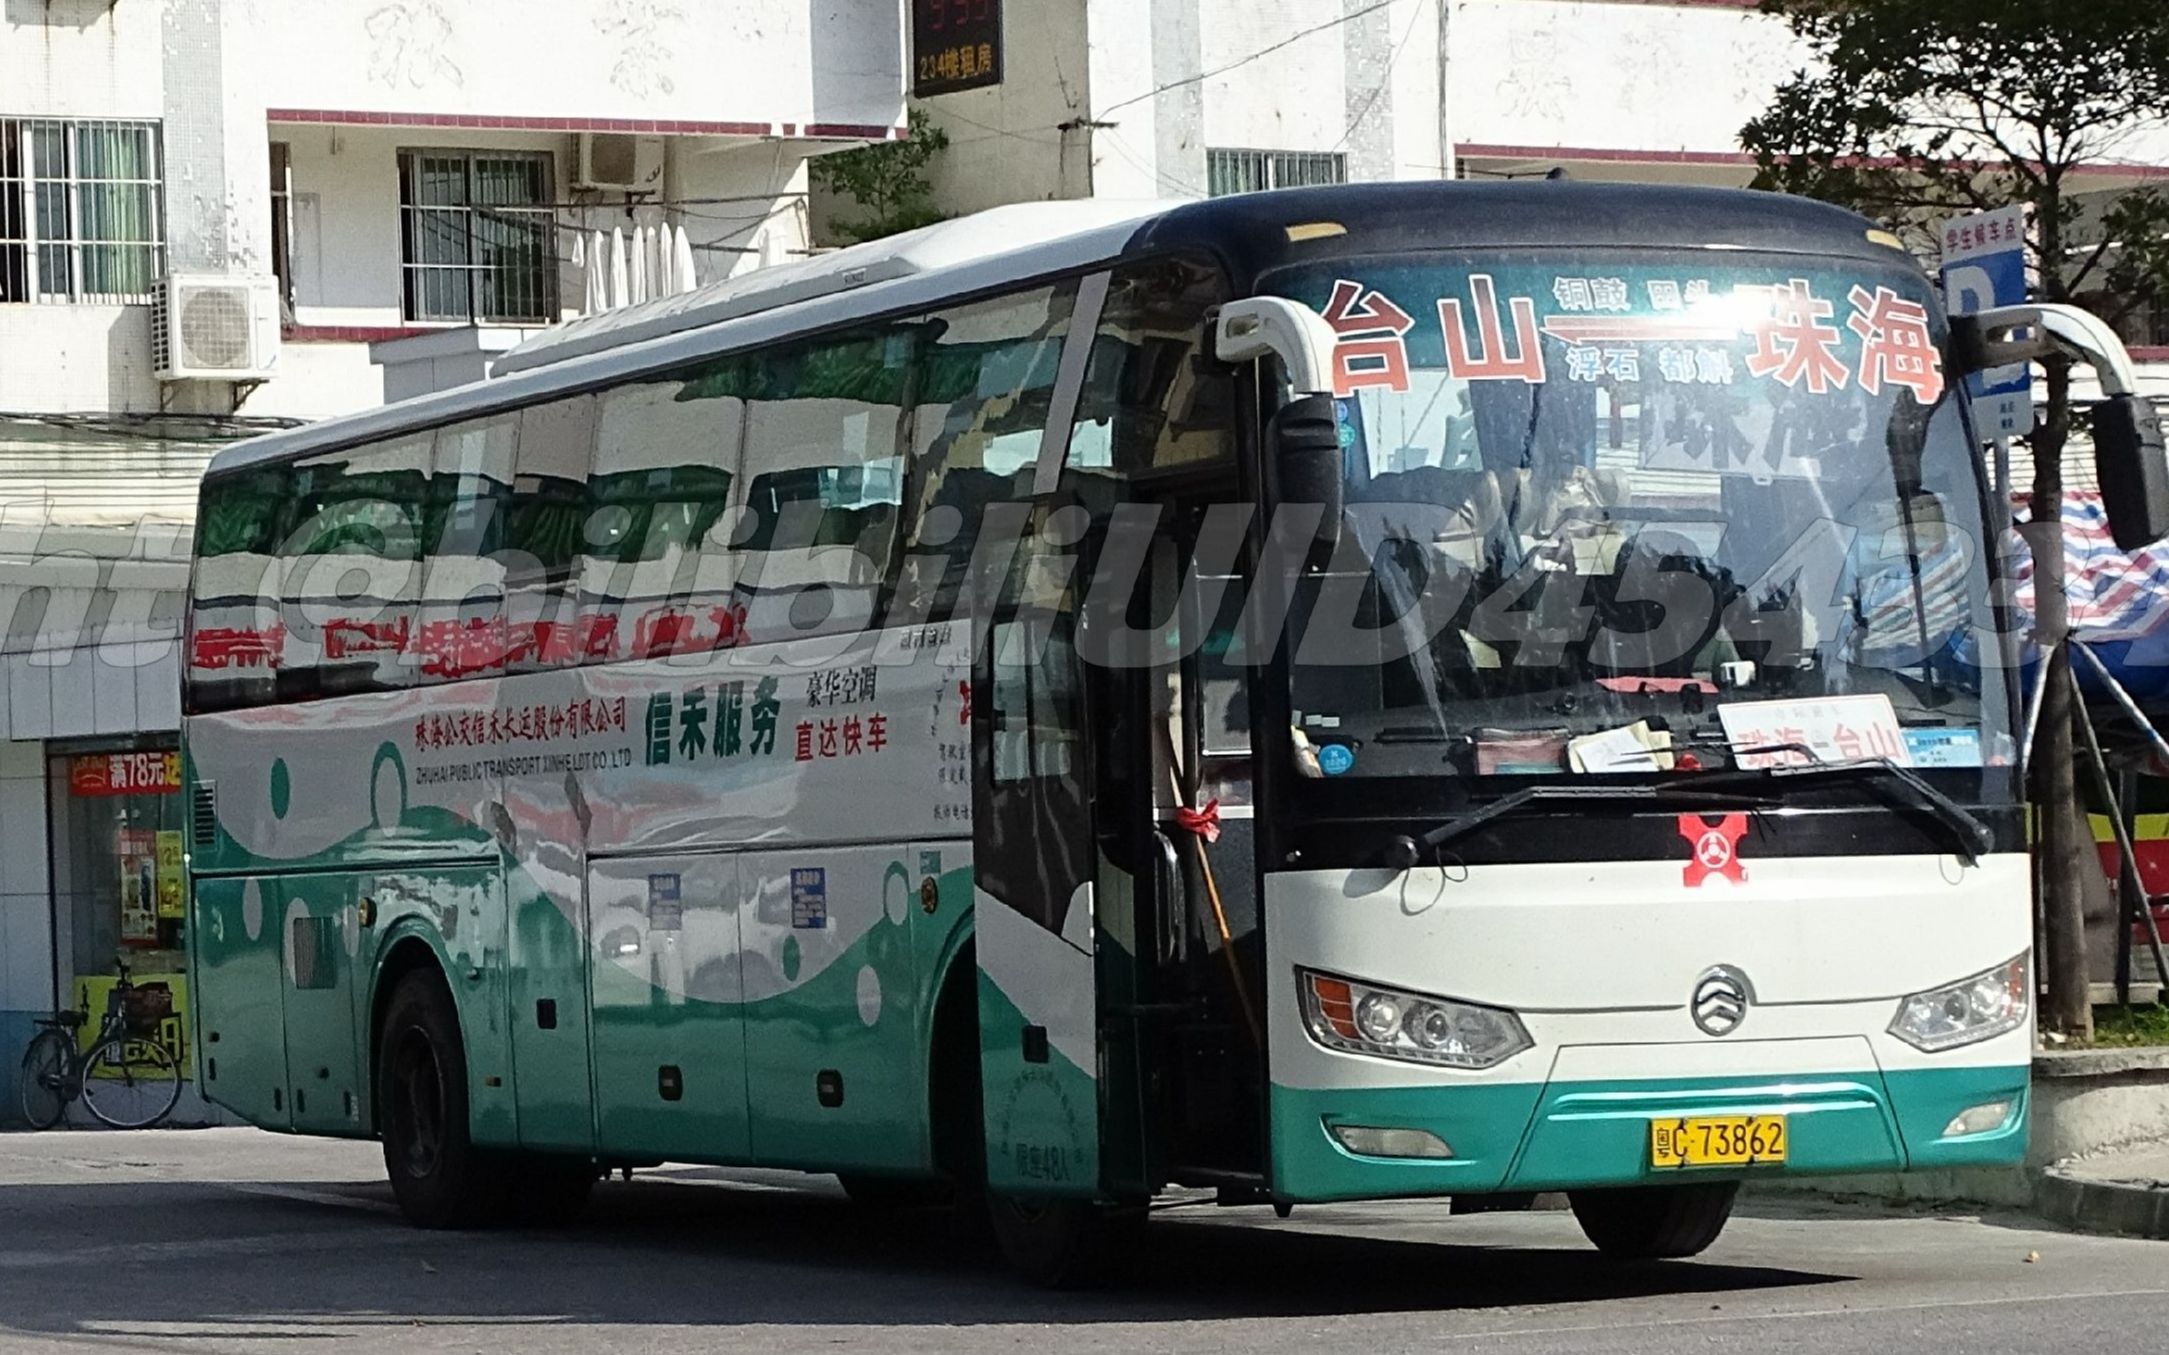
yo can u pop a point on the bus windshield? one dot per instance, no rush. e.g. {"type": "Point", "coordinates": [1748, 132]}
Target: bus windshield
{"type": "Point", "coordinates": [1630, 511]}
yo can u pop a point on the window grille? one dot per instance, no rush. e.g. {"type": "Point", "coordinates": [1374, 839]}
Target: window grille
{"type": "Point", "coordinates": [1241, 171]}
{"type": "Point", "coordinates": [478, 237]}
{"type": "Point", "coordinates": [80, 210]}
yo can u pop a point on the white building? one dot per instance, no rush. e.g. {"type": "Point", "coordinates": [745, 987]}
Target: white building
{"type": "Point", "coordinates": [1186, 98]}
{"type": "Point", "coordinates": [318, 179]}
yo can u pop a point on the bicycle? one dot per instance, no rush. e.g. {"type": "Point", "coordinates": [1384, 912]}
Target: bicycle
{"type": "Point", "coordinates": [126, 1080]}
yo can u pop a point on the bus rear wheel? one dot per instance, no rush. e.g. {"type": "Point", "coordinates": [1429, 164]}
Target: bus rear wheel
{"type": "Point", "coordinates": [440, 1177]}
{"type": "Point", "coordinates": [1654, 1223]}
{"type": "Point", "coordinates": [1065, 1244]}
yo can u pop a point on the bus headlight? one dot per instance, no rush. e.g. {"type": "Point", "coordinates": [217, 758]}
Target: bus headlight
{"type": "Point", "coordinates": [1966, 1012]}
{"type": "Point", "coordinates": [1365, 1018]}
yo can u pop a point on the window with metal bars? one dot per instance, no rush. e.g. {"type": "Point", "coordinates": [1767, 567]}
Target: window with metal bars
{"type": "Point", "coordinates": [477, 237]}
{"type": "Point", "coordinates": [80, 210]}
{"type": "Point", "coordinates": [1240, 171]}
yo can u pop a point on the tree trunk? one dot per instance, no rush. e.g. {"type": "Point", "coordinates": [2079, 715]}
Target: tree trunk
{"type": "Point", "coordinates": [2065, 842]}
{"type": "Point", "coordinates": [2066, 847]}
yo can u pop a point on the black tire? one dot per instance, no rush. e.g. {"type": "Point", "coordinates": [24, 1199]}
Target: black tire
{"type": "Point", "coordinates": [1065, 1244]}
{"type": "Point", "coordinates": [440, 1178]}
{"type": "Point", "coordinates": [44, 1086]}
{"type": "Point", "coordinates": [548, 1189]}
{"type": "Point", "coordinates": [1654, 1223]}
{"type": "Point", "coordinates": [955, 1107]}
{"type": "Point", "coordinates": [131, 1083]}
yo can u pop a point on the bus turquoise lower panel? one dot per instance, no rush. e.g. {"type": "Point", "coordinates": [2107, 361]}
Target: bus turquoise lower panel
{"type": "Point", "coordinates": [1533, 1136]}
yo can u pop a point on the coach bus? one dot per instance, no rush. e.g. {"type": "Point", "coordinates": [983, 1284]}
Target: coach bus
{"type": "Point", "coordinates": [1349, 693]}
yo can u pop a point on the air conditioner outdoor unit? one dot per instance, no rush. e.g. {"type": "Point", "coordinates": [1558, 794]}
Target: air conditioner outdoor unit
{"type": "Point", "coordinates": [215, 327]}
{"type": "Point", "coordinates": [620, 161]}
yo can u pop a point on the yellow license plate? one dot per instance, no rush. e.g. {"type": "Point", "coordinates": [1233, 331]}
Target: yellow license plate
{"type": "Point", "coordinates": [1717, 1141]}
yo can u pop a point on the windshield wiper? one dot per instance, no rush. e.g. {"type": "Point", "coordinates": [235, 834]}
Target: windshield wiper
{"type": "Point", "coordinates": [1508, 804]}
{"type": "Point", "coordinates": [1973, 836]}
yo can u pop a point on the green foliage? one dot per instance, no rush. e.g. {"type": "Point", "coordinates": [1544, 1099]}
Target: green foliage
{"type": "Point", "coordinates": [2131, 1025]}
{"type": "Point", "coordinates": [889, 180]}
{"type": "Point", "coordinates": [1913, 110]}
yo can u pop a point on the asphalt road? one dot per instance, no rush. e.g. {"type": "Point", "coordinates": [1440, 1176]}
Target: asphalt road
{"type": "Point", "coordinates": [234, 1241]}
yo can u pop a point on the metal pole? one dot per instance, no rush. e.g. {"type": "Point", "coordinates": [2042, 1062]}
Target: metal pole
{"type": "Point", "coordinates": [2123, 845]}
{"type": "Point", "coordinates": [2033, 712]}
{"type": "Point", "coordinates": [2123, 698]}
{"type": "Point", "coordinates": [2129, 887]}
{"type": "Point", "coordinates": [1449, 167]}
{"type": "Point", "coordinates": [2003, 475]}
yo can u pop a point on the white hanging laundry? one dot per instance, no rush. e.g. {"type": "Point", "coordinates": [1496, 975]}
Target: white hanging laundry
{"type": "Point", "coordinates": [666, 262]}
{"type": "Point", "coordinates": [620, 274]}
{"type": "Point", "coordinates": [598, 283]}
{"type": "Point", "coordinates": [579, 250]}
{"type": "Point", "coordinates": [682, 250]}
{"type": "Point", "coordinates": [771, 247]}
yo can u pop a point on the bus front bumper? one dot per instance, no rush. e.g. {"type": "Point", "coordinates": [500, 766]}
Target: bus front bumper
{"type": "Point", "coordinates": [1576, 1133]}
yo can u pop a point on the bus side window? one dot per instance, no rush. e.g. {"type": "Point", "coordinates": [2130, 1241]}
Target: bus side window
{"type": "Point", "coordinates": [1149, 402]}
{"type": "Point", "coordinates": [234, 637]}
{"type": "Point", "coordinates": [816, 545]}
{"type": "Point", "coordinates": [460, 626]}
{"type": "Point", "coordinates": [542, 534]}
{"type": "Point", "coordinates": [350, 563]}
{"type": "Point", "coordinates": [986, 383]}
{"type": "Point", "coordinates": [666, 453]}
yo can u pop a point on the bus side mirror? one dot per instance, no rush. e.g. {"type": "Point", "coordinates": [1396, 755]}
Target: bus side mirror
{"type": "Point", "coordinates": [2130, 463]}
{"type": "Point", "coordinates": [1304, 438]}
{"type": "Point", "coordinates": [2128, 456]}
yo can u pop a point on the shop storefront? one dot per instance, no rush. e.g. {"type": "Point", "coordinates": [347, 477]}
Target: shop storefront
{"type": "Point", "coordinates": [93, 571]}
{"type": "Point", "coordinates": [115, 816]}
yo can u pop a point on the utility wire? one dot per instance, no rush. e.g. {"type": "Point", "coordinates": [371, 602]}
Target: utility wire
{"type": "Point", "coordinates": [1385, 81]}
{"type": "Point", "coordinates": [1246, 60]}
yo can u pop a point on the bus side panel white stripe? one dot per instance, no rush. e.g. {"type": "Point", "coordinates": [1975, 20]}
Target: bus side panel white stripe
{"type": "Point", "coordinates": [1049, 979]}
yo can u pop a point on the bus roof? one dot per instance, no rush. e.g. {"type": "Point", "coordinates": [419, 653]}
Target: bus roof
{"type": "Point", "coordinates": [1252, 233]}
{"type": "Point", "coordinates": [1020, 233]}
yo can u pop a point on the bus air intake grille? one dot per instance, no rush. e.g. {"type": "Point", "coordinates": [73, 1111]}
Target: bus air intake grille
{"type": "Point", "coordinates": [203, 814]}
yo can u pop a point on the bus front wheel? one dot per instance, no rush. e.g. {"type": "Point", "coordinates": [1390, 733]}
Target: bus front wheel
{"type": "Point", "coordinates": [1654, 1223]}
{"type": "Point", "coordinates": [1065, 1244]}
{"type": "Point", "coordinates": [440, 1178]}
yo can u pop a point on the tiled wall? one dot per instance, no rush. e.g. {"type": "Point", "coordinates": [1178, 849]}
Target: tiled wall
{"type": "Point", "coordinates": [115, 689]}
{"type": "Point", "coordinates": [26, 936]}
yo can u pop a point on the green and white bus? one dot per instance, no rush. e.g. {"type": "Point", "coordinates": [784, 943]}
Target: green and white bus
{"type": "Point", "coordinates": [1349, 693]}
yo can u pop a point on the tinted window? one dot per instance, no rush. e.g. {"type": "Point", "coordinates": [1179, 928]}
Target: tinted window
{"type": "Point", "coordinates": [986, 381]}
{"type": "Point", "coordinates": [350, 556]}
{"type": "Point", "coordinates": [1149, 403]}
{"type": "Point", "coordinates": [666, 455]}
{"type": "Point", "coordinates": [543, 532]}
{"type": "Point", "coordinates": [460, 628]}
{"type": "Point", "coordinates": [817, 538]}
{"type": "Point", "coordinates": [235, 639]}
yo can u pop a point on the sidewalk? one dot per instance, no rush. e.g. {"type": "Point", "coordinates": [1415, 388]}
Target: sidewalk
{"type": "Point", "coordinates": [2122, 1190]}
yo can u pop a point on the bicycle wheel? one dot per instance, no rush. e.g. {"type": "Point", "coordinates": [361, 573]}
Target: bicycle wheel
{"type": "Point", "coordinates": [131, 1083]}
{"type": "Point", "coordinates": [45, 1079]}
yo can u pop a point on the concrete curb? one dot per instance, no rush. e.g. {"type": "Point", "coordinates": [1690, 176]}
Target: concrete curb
{"type": "Point", "coordinates": [2090, 1107]}
{"type": "Point", "coordinates": [2102, 1206]}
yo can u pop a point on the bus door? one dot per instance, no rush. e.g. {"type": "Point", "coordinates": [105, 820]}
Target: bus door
{"type": "Point", "coordinates": [1201, 957]}
{"type": "Point", "coordinates": [1036, 867]}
